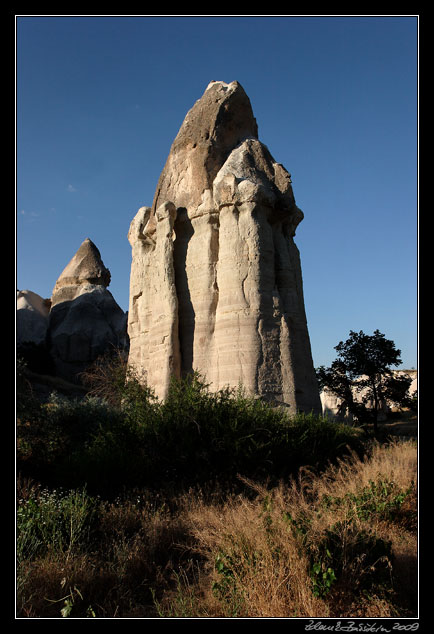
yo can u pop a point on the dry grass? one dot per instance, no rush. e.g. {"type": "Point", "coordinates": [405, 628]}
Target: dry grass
{"type": "Point", "coordinates": [106, 376]}
{"type": "Point", "coordinates": [246, 555]}
{"type": "Point", "coordinates": [259, 552]}
{"type": "Point", "coordinates": [255, 569]}
{"type": "Point", "coordinates": [132, 543]}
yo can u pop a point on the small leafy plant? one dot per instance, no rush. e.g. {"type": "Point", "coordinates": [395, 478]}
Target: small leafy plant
{"type": "Point", "coordinates": [225, 588]}
{"type": "Point", "coordinates": [323, 578]}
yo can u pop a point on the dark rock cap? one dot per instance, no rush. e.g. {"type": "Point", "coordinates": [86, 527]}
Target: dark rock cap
{"type": "Point", "coordinates": [219, 121]}
{"type": "Point", "coordinates": [85, 267]}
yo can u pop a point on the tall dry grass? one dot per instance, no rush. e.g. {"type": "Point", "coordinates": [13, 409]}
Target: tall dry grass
{"type": "Point", "coordinates": [270, 556]}
{"type": "Point", "coordinates": [342, 543]}
{"type": "Point", "coordinates": [255, 567]}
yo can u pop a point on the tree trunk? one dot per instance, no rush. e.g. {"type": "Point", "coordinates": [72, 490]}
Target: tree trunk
{"type": "Point", "coordinates": [375, 394]}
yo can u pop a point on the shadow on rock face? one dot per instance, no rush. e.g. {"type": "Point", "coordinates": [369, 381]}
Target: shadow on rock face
{"type": "Point", "coordinates": [81, 330]}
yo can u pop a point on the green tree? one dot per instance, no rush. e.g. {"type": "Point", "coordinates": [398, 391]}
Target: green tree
{"type": "Point", "coordinates": [363, 367]}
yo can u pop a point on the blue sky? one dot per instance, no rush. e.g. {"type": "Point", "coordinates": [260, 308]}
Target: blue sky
{"type": "Point", "coordinates": [100, 99]}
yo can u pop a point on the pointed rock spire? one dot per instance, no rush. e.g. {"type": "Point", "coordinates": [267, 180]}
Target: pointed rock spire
{"type": "Point", "coordinates": [219, 121]}
{"type": "Point", "coordinates": [86, 267]}
{"type": "Point", "coordinates": [85, 321]}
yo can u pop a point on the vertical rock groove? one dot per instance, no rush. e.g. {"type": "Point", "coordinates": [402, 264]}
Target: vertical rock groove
{"type": "Point", "coordinates": [186, 316]}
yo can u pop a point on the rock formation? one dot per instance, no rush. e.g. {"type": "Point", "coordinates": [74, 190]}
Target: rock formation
{"type": "Point", "coordinates": [31, 318]}
{"type": "Point", "coordinates": [216, 282]}
{"type": "Point", "coordinates": [85, 320]}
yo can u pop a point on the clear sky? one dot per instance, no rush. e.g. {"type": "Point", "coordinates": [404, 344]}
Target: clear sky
{"type": "Point", "coordinates": [99, 100]}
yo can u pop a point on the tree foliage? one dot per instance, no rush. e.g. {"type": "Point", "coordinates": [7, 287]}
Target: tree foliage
{"type": "Point", "coordinates": [362, 375]}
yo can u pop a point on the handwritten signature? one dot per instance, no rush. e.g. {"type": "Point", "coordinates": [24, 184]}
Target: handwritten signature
{"type": "Point", "coordinates": [352, 626]}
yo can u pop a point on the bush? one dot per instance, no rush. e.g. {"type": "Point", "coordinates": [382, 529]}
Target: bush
{"type": "Point", "coordinates": [197, 435]}
{"type": "Point", "coordinates": [192, 437]}
{"type": "Point", "coordinates": [110, 378]}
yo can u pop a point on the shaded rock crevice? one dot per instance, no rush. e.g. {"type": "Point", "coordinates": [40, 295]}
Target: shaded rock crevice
{"type": "Point", "coordinates": [186, 316]}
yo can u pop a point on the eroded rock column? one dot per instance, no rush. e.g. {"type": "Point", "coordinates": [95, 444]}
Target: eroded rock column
{"type": "Point", "coordinates": [216, 282]}
{"type": "Point", "coordinates": [153, 315]}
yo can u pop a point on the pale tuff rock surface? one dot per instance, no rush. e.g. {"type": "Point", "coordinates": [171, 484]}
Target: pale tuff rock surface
{"type": "Point", "coordinates": [85, 320]}
{"type": "Point", "coordinates": [153, 315]}
{"type": "Point", "coordinates": [31, 317]}
{"type": "Point", "coordinates": [216, 281]}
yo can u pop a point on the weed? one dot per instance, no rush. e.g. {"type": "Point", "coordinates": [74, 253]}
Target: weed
{"type": "Point", "coordinates": [323, 577]}
{"type": "Point", "coordinates": [70, 600]}
{"type": "Point", "coordinates": [53, 520]}
{"type": "Point", "coordinates": [225, 589]}
{"type": "Point", "coordinates": [382, 498]}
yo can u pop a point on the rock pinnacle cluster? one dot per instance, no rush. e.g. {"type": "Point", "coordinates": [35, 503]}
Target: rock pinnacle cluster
{"type": "Point", "coordinates": [84, 321]}
{"type": "Point", "coordinates": [216, 283]}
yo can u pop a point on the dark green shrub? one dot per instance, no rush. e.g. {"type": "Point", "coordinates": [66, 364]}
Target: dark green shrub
{"type": "Point", "coordinates": [53, 438]}
{"type": "Point", "coordinates": [199, 435]}
{"type": "Point", "coordinates": [309, 440]}
{"type": "Point", "coordinates": [205, 434]}
{"type": "Point", "coordinates": [192, 437]}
